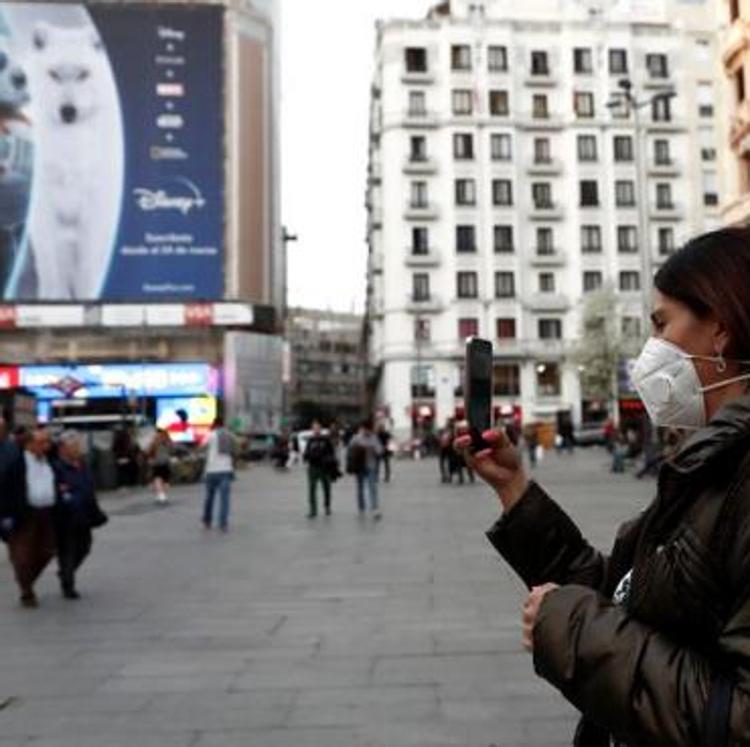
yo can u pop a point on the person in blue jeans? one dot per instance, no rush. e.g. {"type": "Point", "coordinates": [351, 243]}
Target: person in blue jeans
{"type": "Point", "coordinates": [364, 454]}
{"type": "Point", "coordinates": [219, 474]}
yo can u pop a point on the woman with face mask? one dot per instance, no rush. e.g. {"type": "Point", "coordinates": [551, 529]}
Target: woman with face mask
{"type": "Point", "coordinates": [652, 642]}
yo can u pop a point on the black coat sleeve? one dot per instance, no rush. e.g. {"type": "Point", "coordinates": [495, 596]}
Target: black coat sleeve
{"type": "Point", "coordinates": [543, 544]}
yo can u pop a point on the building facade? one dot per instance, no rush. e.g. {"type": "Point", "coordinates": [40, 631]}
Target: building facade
{"type": "Point", "coordinates": [735, 58]}
{"type": "Point", "coordinates": [327, 366]}
{"type": "Point", "coordinates": [510, 177]}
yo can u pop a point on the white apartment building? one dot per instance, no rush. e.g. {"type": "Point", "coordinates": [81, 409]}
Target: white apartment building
{"type": "Point", "coordinates": [506, 182]}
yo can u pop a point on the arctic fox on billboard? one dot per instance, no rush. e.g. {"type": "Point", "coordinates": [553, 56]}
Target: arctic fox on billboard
{"type": "Point", "coordinates": [111, 171]}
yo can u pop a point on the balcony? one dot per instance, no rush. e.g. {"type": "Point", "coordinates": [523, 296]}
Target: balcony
{"type": "Point", "coordinates": [417, 77]}
{"type": "Point", "coordinates": [546, 349]}
{"type": "Point", "coordinates": [376, 172]}
{"type": "Point", "coordinates": [426, 211]}
{"type": "Point", "coordinates": [548, 302]}
{"type": "Point", "coordinates": [421, 119]}
{"type": "Point", "coordinates": [655, 82]}
{"type": "Point", "coordinates": [423, 305]}
{"type": "Point", "coordinates": [551, 166]}
{"type": "Point", "coordinates": [419, 166]}
{"type": "Point", "coordinates": [547, 258]}
{"type": "Point", "coordinates": [734, 45]}
{"type": "Point", "coordinates": [665, 126]}
{"type": "Point", "coordinates": [664, 167]}
{"type": "Point", "coordinates": [528, 121]}
{"type": "Point", "coordinates": [545, 79]}
{"type": "Point", "coordinates": [376, 217]}
{"type": "Point", "coordinates": [546, 211]}
{"type": "Point", "coordinates": [430, 258]}
{"type": "Point", "coordinates": [666, 211]}
{"type": "Point", "coordinates": [376, 262]}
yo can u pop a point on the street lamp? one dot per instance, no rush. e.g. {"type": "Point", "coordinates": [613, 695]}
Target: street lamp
{"type": "Point", "coordinates": [626, 98]}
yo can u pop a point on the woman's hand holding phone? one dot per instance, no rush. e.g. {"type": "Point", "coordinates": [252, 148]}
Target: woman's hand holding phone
{"type": "Point", "coordinates": [499, 465]}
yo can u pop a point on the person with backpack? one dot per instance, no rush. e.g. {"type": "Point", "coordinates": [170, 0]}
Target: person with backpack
{"type": "Point", "coordinates": [652, 643]}
{"type": "Point", "coordinates": [320, 457]}
{"type": "Point", "coordinates": [362, 462]}
{"type": "Point", "coordinates": [219, 474]}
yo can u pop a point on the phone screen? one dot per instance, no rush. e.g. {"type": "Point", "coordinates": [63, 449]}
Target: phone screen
{"type": "Point", "coordinates": [478, 387]}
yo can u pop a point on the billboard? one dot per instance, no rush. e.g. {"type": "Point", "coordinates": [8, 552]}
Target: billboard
{"type": "Point", "coordinates": [111, 152]}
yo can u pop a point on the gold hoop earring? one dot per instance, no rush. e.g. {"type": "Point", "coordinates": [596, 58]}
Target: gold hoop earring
{"type": "Point", "coordinates": [721, 364]}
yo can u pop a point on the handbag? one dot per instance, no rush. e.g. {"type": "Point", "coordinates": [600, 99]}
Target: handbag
{"type": "Point", "coordinates": [97, 517]}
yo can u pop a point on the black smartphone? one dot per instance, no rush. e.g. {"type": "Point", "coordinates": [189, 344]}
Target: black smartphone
{"type": "Point", "coordinates": [478, 390]}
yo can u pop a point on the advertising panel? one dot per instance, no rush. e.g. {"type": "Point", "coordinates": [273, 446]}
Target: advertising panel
{"type": "Point", "coordinates": [111, 152]}
{"type": "Point", "coordinates": [186, 419]}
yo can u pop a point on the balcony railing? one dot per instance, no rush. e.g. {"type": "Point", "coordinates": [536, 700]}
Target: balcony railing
{"type": "Point", "coordinates": [423, 304]}
{"type": "Point", "coordinates": [421, 118]}
{"type": "Point", "coordinates": [420, 165]}
{"type": "Point", "coordinates": [546, 211]}
{"type": "Point", "coordinates": [546, 258]}
{"type": "Point", "coordinates": [545, 166]}
{"type": "Point", "coordinates": [430, 258]}
{"type": "Point", "coordinates": [421, 211]}
{"type": "Point", "coordinates": [666, 211]}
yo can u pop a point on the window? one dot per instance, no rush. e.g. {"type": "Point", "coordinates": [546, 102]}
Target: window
{"type": "Point", "coordinates": [631, 327]}
{"type": "Point", "coordinates": [468, 327]}
{"type": "Point", "coordinates": [419, 194]}
{"type": "Point", "coordinates": [463, 146]}
{"type": "Point", "coordinates": [417, 104]}
{"type": "Point", "coordinates": [664, 196]}
{"type": "Point", "coordinates": [589, 190]}
{"type": "Point", "coordinates": [661, 153]}
{"type": "Point", "coordinates": [592, 281]}
{"type": "Point", "coordinates": [541, 194]}
{"type": "Point", "coordinates": [591, 239]}
{"type": "Point", "coordinates": [466, 239]}
{"type": "Point", "coordinates": [466, 285]}
{"type": "Point", "coordinates": [587, 148]}
{"type": "Point", "coordinates": [710, 189]}
{"type": "Point", "coordinates": [542, 152]}
{"type": "Point", "coordinates": [506, 328]}
{"type": "Point", "coordinates": [583, 103]}
{"type": "Point", "coordinates": [550, 329]}
{"type": "Point", "coordinates": [539, 109]}
{"type": "Point", "coordinates": [539, 63]}
{"type": "Point", "coordinates": [546, 282]}
{"type": "Point", "coordinates": [630, 280]}
{"type": "Point", "coordinates": [420, 284]}
{"type": "Point", "coordinates": [661, 109]}
{"type": "Point", "coordinates": [422, 330]}
{"type": "Point", "coordinates": [497, 59]}
{"type": "Point", "coordinates": [422, 382]}
{"type": "Point", "coordinates": [501, 147]}
{"type": "Point", "coordinates": [502, 192]}
{"type": "Point", "coordinates": [625, 193]}
{"type": "Point", "coordinates": [666, 241]}
{"type": "Point", "coordinates": [545, 241]}
{"type": "Point", "coordinates": [583, 61]}
{"type": "Point", "coordinates": [548, 380]}
{"type": "Point", "coordinates": [418, 148]}
{"type": "Point", "coordinates": [627, 239]}
{"type": "Point", "coordinates": [466, 192]}
{"type": "Point", "coordinates": [462, 102]}
{"type": "Point", "coordinates": [618, 61]}
{"type": "Point", "coordinates": [506, 380]}
{"type": "Point", "coordinates": [420, 240]}
{"type": "Point", "coordinates": [499, 103]}
{"type": "Point", "coordinates": [503, 239]}
{"type": "Point", "coordinates": [505, 285]}
{"type": "Point", "coordinates": [705, 100]}
{"type": "Point", "coordinates": [623, 146]}
{"type": "Point", "coordinates": [460, 57]}
{"type": "Point", "coordinates": [415, 59]}
{"type": "Point", "coordinates": [657, 66]}
{"type": "Point", "coordinates": [708, 145]}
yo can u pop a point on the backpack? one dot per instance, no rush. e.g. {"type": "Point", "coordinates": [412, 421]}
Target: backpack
{"type": "Point", "coordinates": [356, 459]}
{"type": "Point", "coordinates": [224, 443]}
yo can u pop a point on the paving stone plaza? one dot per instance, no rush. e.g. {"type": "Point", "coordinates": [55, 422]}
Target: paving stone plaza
{"type": "Point", "coordinates": [338, 632]}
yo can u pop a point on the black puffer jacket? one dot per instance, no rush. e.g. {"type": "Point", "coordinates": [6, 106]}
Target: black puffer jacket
{"type": "Point", "coordinates": [643, 670]}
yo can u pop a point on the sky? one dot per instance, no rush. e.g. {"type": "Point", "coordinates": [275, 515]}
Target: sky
{"type": "Point", "coordinates": [327, 67]}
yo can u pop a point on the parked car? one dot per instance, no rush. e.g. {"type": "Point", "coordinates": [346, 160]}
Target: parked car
{"type": "Point", "coordinates": [590, 434]}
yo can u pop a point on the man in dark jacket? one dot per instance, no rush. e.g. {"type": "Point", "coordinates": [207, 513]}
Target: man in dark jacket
{"type": "Point", "coordinates": [77, 501]}
{"type": "Point", "coordinates": [320, 457]}
{"type": "Point", "coordinates": [31, 540]}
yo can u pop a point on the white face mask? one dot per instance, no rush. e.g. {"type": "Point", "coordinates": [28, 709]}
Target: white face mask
{"type": "Point", "coordinates": [667, 382]}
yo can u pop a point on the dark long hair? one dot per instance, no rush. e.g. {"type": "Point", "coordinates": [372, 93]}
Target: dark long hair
{"type": "Point", "coordinates": [711, 276]}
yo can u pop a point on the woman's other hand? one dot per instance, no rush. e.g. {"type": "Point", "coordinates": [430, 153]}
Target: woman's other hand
{"type": "Point", "coordinates": [531, 610]}
{"type": "Point", "coordinates": [499, 465]}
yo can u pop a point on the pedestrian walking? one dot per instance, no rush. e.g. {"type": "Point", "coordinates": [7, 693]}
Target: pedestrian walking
{"type": "Point", "coordinates": [652, 644]}
{"type": "Point", "coordinates": [384, 461]}
{"type": "Point", "coordinates": [445, 454]}
{"type": "Point", "coordinates": [219, 474]}
{"type": "Point", "coordinates": [160, 456]}
{"type": "Point", "coordinates": [320, 458]}
{"type": "Point", "coordinates": [77, 511]}
{"type": "Point", "coordinates": [362, 461]}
